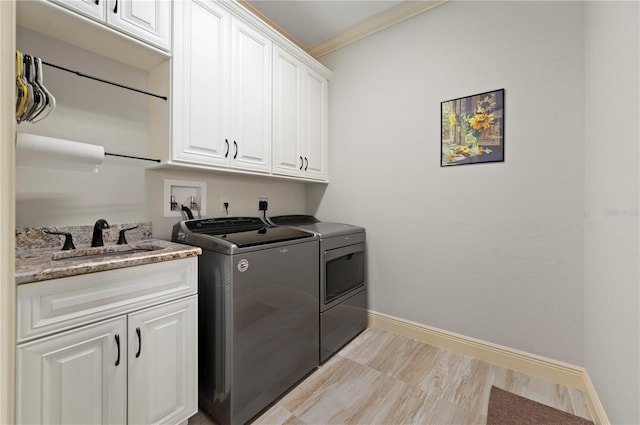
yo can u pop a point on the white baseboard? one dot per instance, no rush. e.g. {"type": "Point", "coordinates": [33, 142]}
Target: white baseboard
{"type": "Point", "coordinates": [531, 364]}
{"type": "Point", "coordinates": [593, 401]}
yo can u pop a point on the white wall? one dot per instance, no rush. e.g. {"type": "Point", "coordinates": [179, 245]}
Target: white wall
{"type": "Point", "coordinates": [492, 251]}
{"type": "Point", "coordinates": [242, 192]}
{"type": "Point", "coordinates": [89, 112]}
{"type": "Point", "coordinates": [7, 214]}
{"type": "Point", "coordinates": [612, 302]}
{"type": "Point", "coordinates": [124, 191]}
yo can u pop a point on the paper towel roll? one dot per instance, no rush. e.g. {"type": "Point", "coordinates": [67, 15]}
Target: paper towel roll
{"type": "Point", "coordinates": [47, 152]}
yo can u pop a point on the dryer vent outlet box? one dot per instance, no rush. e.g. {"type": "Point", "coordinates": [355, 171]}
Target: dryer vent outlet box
{"type": "Point", "coordinates": [191, 194]}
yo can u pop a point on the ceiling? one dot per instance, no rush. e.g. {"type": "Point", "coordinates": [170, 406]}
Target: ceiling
{"type": "Point", "coordinates": [322, 26]}
{"type": "Point", "coordinates": [313, 21]}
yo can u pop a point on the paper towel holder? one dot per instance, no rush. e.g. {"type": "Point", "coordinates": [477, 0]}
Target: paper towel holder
{"type": "Point", "coordinates": [42, 151]}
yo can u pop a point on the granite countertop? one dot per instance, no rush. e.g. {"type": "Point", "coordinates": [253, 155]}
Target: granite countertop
{"type": "Point", "coordinates": [34, 265]}
{"type": "Point", "coordinates": [38, 259]}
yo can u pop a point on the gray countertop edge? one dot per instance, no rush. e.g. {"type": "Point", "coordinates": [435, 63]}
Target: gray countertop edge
{"type": "Point", "coordinates": [35, 265]}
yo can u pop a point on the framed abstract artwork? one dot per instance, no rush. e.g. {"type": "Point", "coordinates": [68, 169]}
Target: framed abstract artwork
{"type": "Point", "coordinates": [472, 129]}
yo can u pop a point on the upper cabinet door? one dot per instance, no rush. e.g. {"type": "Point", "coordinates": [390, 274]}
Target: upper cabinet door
{"type": "Point", "coordinates": [149, 20]}
{"type": "Point", "coordinates": [315, 110]}
{"type": "Point", "coordinates": [299, 118]}
{"type": "Point", "coordinates": [287, 117]}
{"type": "Point", "coordinates": [76, 377]}
{"type": "Point", "coordinates": [91, 8]}
{"type": "Point", "coordinates": [145, 20]}
{"type": "Point", "coordinates": [200, 91]}
{"type": "Point", "coordinates": [250, 97]}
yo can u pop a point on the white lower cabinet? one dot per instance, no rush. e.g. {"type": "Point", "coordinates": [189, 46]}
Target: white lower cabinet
{"type": "Point", "coordinates": [77, 377]}
{"type": "Point", "coordinates": [133, 365]}
{"type": "Point", "coordinates": [161, 362]}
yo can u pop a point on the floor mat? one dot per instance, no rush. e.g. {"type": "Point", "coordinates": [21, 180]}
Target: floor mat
{"type": "Point", "coordinates": [512, 409]}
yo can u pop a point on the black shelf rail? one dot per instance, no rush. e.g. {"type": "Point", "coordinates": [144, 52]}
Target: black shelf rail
{"type": "Point", "coordinates": [91, 77]}
{"type": "Point", "coordinates": [133, 157]}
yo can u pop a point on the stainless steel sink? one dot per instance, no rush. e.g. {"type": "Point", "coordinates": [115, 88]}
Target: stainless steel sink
{"type": "Point", "coordinates": [103, 252]}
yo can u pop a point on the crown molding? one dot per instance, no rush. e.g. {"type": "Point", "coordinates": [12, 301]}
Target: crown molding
{"type": "Point", "coordinates": [378, 22]}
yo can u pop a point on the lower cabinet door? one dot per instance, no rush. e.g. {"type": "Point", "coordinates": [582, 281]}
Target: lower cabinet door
{"type": "Point", "coordinates": [76, 377]}
{"type": "Point", "coordinates": [163, 363]}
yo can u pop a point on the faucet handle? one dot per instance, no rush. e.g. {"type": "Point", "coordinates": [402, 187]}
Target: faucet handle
{"type": "Point", "coordinates": [68, 239]}
{"type": "Point", "coordinates": [122, 240]}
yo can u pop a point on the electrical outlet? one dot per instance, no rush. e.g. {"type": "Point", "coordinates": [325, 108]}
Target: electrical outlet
{"type": "Point", "coordinates": [224, 200]}
{"type": "Point", "coordinates": [263, 204]}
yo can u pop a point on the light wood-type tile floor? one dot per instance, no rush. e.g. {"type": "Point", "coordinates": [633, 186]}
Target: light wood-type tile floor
{"type": "Point", "coordinates": [385, 378]}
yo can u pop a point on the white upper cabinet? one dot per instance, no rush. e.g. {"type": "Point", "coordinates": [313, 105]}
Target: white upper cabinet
{"type": "Point", "coordinates": [91, 8]}
{"type": "Point", "coordinates": [221, 109]}
{"type": "Point", "coordinates": [200, 93]}
{"type": "Point", "coordinates": [146, 20]}
{"type": "Point", "coordinates": [244, 99]}
{"type": "Point", "coordinates": [299, 118]}
{"type": "Point", "coordinates": [315, 111]}
{"type": "Point", "coordinates": [287, 114]}
{"type": "Point", "coordinates": [250, 97]}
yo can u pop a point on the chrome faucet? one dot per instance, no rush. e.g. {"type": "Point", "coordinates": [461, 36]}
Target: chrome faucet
{"type": "Point", "coordinates": [100, 225]}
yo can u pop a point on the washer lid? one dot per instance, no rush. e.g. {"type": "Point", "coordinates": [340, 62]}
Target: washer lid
{"type": "Point", "coordinates": [265, 235]}
{"type": "Point", "coordinates": [324, 229]}
{"type": "Point", "coordinates": [244, 231]}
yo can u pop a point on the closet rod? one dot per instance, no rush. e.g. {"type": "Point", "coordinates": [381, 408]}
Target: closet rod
{"type": "Point", "coordinates": [133, 157]}
{"type": "Point", "coordinates": [80, 74]}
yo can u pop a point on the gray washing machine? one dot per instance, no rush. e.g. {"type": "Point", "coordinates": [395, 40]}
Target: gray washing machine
{"type": "Point", "coordinates": [342, 283]}
{"type": "Point", "coordinates": [258, 321]}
